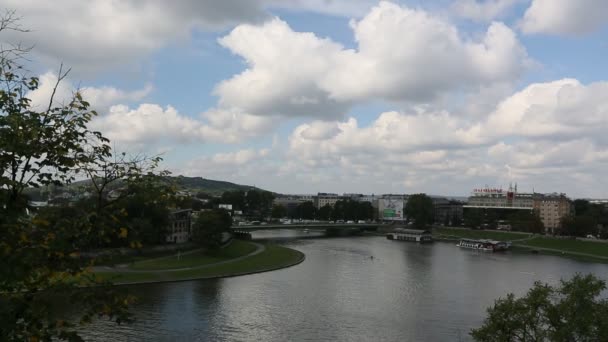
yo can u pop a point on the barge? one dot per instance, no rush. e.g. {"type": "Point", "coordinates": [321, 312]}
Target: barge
{"type": "Point", "coordinates": [413, 235]}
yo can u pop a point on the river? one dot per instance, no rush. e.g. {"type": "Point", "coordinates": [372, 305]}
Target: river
{"type": "Point", "coordinates": [347, 289]}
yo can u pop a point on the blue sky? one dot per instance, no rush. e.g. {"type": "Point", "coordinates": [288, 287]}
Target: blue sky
{"type": "Point", "coordinates": [434, 96]}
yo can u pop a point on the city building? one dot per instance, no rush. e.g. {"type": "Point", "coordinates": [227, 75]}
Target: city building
{"type": "Point", "coordinates": [322, 199]}
{"type": "Point", "coordinates": [551, 209]}
{"type": "Point", "coordinates": [447, 212]}
{"type": "Point", "coordinates": [497, 198]}
{"type": "Point", "coordinates": [180, 226]}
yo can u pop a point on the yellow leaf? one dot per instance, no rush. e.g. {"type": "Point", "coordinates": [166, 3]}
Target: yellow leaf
{"type": "Point", "coordinates": [123, 233]}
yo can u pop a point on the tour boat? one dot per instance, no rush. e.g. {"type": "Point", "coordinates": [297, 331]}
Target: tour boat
{"type": "Point", "coordinates": [484, 245]}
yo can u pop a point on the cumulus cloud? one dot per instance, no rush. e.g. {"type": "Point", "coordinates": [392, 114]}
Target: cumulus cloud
{"type": "Point", "coordinates": [150, 123]}
{"type": "Point", "coordinates": [100, 98]}
{"type": "Point", "coordinates": [98, 34]}
{"type": "Point", "coordinates": [483, 10]}
{"type": "Point", "coordinates": [402, 54]}
{"type": "Point", "coordinates": [565, 17]}
{"type": "Point", "coordinates": [559, 109]}
{"type": "Point", "coordinates": [549, 135]}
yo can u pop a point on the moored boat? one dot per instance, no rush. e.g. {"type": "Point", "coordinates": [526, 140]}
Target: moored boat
{"type": "Point", "coordinates": [484, 245]}
{"type": "Point", "coordinates": [414, 235]}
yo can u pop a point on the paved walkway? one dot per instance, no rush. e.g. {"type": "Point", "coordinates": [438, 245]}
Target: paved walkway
{"type": "Point", "coordinates": [121, 268]}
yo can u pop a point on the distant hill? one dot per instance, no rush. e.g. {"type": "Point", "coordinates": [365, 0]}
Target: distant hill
{"type": "Point", "coordinates": [208, 186]}
{"type": "Point", "coordinates": [191, 184]}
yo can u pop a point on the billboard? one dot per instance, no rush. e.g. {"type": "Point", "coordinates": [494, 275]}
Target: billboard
{"type": "Point", "coordinates": [390, 209]}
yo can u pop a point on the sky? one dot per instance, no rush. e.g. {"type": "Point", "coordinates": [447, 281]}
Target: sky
{"type": "Point", "coordinates": [358, 96]}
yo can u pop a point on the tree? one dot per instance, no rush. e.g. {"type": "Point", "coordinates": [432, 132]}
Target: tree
{"type": "Point", "coordinates": [278, 211]}
{"type": "Point", "coordinates": [209, 227]}
{"type": "Point", "coordinates": [325, 212]}
{"type": "Point", "coordinates": [41, 254]}
{"type": "Point", "coordinates": [306, 210]}
{"type": "Point", "coordinates": [573, 311]}
{"type": "Point", "coordinates": [419, 208]}
{"type": "Point", "coordinates": [578, 225]}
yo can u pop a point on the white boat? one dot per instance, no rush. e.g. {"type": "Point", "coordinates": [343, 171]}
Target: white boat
{"type": "Point", "coordinates": [483, 245]}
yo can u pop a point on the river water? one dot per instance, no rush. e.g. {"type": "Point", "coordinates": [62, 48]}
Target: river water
{"type": "Point", "coordinates": [347, 289]}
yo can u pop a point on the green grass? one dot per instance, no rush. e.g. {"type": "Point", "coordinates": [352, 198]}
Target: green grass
{"type": "Point", "coordinates": [478, 234]}
{"type": "Point", "coordinates": [569, 245]}
{"type": "Point", "coordinates": [274, 257]}
{"type": "Point", "coordinates": [236, 249]}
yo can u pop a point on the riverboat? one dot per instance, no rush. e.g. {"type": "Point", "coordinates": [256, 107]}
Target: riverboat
{"type": "Point", "coordinates": [413, 235]}
{"type": "Point", "coordinates": [484, 245]}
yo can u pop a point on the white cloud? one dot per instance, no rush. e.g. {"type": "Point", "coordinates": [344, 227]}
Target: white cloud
{"type": "Point", "coordinates": [100, 98]}
{"type": "Point", "coordinates": [95, 35]}
{"type": "Point", "coordinates": [561, 109]}
{"type": "Point", "coordinates": [299, 74]}
{"type": "Point", "coordinates": [483, 10]}
{"type": "Point", "coordinates": [565, 17]}
{"type": "Point", "coordinates": [151, 123]}
{"type": "Point", "coordinates": [550, 136]}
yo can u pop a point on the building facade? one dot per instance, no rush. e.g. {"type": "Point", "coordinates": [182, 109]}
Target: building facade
{"type": "Point", "coordinates": [180, 226]}
{"type": "Point", "coordinates": [551, 209]}
{"type": "Point", "coordinates": [322, 199]}
{"type": "Point", "coordinates": [500, 199]}
{"type": "Point", "coordinates": [447, 212]}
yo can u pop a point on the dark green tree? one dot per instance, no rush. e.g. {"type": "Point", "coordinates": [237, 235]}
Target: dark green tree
{"type": "Point", "coordinates": [306, 210]}
{"type": "Point", "coordinates": [325, 212]}
{"type": "Point", "coordinates": [236, 198]}
{"type": "Point", "coordinates": [209, 227]}
{"type": "Point", "coordinates": [574, 311]}
{"type": "Point", "coordinates": [419, 208]}
{"type": "Point", "coordinates": [278, 211]}
{"type": "Point", "coordinates": [578, 225]}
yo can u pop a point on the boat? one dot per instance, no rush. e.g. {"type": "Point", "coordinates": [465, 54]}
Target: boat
{"type": "Point", "coordinates": [414, 235]}
{"type": "Point", "coordinates": [484, 245]}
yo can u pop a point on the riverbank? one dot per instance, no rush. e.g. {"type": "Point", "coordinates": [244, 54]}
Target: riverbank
{"type": "Point", "coordinates": [528, 243]}
{"type": "Point", "coordinates": [239, 258]}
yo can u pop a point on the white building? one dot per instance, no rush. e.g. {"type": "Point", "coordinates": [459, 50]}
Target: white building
{"type": "Point", "coordinates": [322, 199]}
{"type": "Point", "coordinates": [497, 198]}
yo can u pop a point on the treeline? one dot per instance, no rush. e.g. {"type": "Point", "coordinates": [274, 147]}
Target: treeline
{"type": "Point", "coordinates": [520, 220]}
{"type": "Point", "coordinates": [587, 219]}
{"type": "Point", "coordinates": [347, 210]}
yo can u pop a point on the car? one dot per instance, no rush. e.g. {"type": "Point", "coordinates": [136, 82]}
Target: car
{"type": "Point", "coordinates": [350, 221]}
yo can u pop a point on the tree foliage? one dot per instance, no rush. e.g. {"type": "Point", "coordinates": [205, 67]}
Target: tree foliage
{"type": "Point", "coordinates": [42, 254]}
{"type": "Point", "coordinates": [419, 208]}
{"type": "Point", "coordinates": [573, 311]}
{"type": "Point", "coordinates": [209, 227]}
{"type": "Point", "coordinates": [278, 211]}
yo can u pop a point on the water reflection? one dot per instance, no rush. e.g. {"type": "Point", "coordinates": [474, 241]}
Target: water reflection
{"type": "Point", "coordinates": [406, 292]}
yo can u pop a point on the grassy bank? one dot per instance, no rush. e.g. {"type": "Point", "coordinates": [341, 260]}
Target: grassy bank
{"type": "Point", "coordinates": [598, 249]}
{"type": "Point", "coordinates": [581, 250]}
{"type": "Point", "coordinates": [273, 257]}
{"type": "Point", "coordinates": [197, 258]}
{"type": "Point", "coordinates": [457, 233]}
